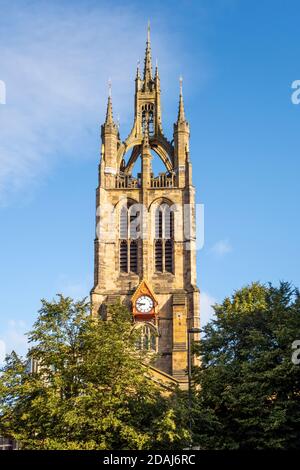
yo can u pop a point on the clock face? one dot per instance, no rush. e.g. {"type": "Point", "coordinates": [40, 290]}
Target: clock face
{"type": "Point", "coordinates": [144, 304]}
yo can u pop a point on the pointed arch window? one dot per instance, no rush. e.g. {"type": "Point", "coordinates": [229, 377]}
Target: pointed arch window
{"type": "Point", "coordinates": [128, 235]}
{"type": "Point", "coordinates": [124, 222]}
{"type": "Point", "coordinates": [169, 256]}
{"type": "Point", "coordinates": [164, 239]}
{"type": "Point", "coordinates": [147, 337]}
{"type": "Point", "coordinates": [133, 256]}
{"type": "Point", "coordinates": [123, 256]}
{"type": "Point", "coordinates": [158, 256]}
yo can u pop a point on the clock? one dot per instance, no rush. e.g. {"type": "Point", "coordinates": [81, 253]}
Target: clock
{"type": "Point", "coordinates": [144, 304]}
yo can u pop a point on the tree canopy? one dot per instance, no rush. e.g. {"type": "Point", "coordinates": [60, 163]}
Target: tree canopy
{"type": "Point", "coordinates": [248, 394]}
{"type": "Point", "coordinates": [90, 390]}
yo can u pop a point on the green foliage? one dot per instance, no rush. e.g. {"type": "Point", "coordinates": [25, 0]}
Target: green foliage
{"type": "Point", "coordinates": [249, 388]}
{"type": "Point", "coordinates": [90, 390]}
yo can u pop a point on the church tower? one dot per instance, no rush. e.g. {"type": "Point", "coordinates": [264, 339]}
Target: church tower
{"type": "Point", "coordinates": [145, 247]}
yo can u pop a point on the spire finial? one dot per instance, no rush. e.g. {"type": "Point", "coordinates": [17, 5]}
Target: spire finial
{"type": "Point", "coordinates": [156, 70]}
{"type": "Point", "coordinates": [181, 116]}
{"type": "Point", "coordinates": [138, 69]}
{"type": "Point", "coordinates": [109, 87]}
{"type": "Point", "coordinates": [148, 60]}
{"type": "Point", "coordinates": [180, 84]}
{"type": "Point", "coordinates": [109, 112]}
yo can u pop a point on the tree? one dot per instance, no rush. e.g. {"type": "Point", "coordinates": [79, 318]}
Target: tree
{"type": "Point", "coordinates": [90, 390]}
{"type": "Point", "coordinates": [248, 393]}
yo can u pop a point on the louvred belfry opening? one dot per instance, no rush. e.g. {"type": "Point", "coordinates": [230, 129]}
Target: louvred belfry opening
{"type": "Point", "coordinates": [164, 238]}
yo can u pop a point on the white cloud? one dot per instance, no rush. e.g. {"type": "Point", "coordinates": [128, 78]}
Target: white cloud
{"type": "Point", "coordinates": [55, 62]}
{"type": "Point", "coordinates": [76, 289]}
{"type": "Point", "coordinates": [221, 248]}
{"type": "Point", "coordinates": [13, 338]}
{"type": "Point", "coordinates": [2, 351]}
{"type": "Point", "coordinates": [206, 310]}
{"type": "Point", "coordinates": [2, 92]}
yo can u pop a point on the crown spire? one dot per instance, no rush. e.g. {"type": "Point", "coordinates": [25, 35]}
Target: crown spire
{"type": "Point", "coordinates": [156, 69]}
{"type": "Point", "coordinates": [138, 70]}
{"type": "Point", "coordinates": [109, 112]}
{"type": "Point", "coordinates": [181, 115]}
{"type": "Point", "coordinates": [148, 60]}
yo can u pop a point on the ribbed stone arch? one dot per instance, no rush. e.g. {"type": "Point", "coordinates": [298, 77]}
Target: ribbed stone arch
{"type": "Point", "coordinates": [136, 152]}
{"type": "Point", "coordinates": [124, 199]}
{"type": "Point", "coordinates": [159, 145]}
{"type": "Point", "coordinates": [160, 200]}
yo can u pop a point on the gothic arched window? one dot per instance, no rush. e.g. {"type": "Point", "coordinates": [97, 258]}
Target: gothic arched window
{"type": "Point", "coordinates": [158, 256]}
{"type": "Point", "coordinates": [128, 235]}
{"type": "Point", "coordinates": [164, 239]}
{"type": "Point", "coordinates": [169, 256]}
{"type": "Point", "coordinates": [124, 222]}
{"type": "Point", "coordinates": [133, 256]}
{"type": "Point", "coordinates": [123, 256]}
{"type": "Point", "coordinates": [147, 337]}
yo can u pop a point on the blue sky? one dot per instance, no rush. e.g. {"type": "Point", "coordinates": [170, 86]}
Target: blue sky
{"type": "Point", "coordinates": [238, 60]}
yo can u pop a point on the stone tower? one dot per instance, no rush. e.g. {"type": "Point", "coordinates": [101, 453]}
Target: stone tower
{"type": "Point", "coordinates": [145, 239]}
